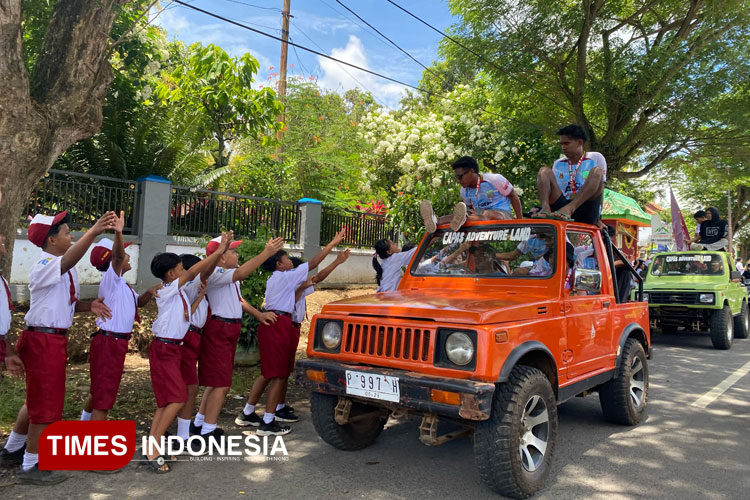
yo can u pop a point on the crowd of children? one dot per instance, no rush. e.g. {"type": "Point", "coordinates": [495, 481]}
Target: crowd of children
{"type": "Point", "coordinates": [195, 335]}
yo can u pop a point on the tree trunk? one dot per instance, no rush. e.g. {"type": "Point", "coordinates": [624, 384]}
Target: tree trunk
{"type": "Point", "coordinates": [59, 103]}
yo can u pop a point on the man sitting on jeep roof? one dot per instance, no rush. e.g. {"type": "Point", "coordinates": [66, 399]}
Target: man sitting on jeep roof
{"type": "Point", "coordinates": [713, 232]}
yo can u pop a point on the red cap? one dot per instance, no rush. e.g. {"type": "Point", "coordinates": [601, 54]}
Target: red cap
{"type": "Point", "coordinates": [214, 244]}
{"type": "Point", "coordinates": [102, 252]}
{"type": "Point", "coordinates": [40, 225]}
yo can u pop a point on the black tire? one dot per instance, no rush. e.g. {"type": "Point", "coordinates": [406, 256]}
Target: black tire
{"type": "Point", "coordinates": [669, 329]}
{"type": "Point", "coordinates": [722, 328]}
{"type": "Point", "coordinates": [500, 441]}
{"type": "Point", "coordinates": [624, 398]}
{"type": "Point", "coordinates": [347, 437]}
{"type": "Point", "coordinates": [742, 323]}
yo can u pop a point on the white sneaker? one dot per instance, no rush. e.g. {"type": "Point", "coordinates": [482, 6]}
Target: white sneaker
{"type": "Point", "coordinates": [459, 216]}
{"type": "Point", "coordinates": [428, 216]}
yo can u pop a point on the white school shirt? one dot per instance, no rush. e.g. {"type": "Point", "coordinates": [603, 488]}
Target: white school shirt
{"type": "Point", "coordinates": [739, 266]}
{"type": "Point", "coordinates": [224, 294]}
{"type": "Point", "coordinates": [121, 300]}
{"type": "Point", "coordinates": [392, 269]}
{"type": "Point", "coordinates": [281, 286]}
{"type": "Point", "coordinates": [51, 306]}
{"type": "Point", "coordinates": [200, 315]}
{"type": "Point", "coordinates": [173, 319]}
{"type": "Point", "coordinates": [300, 307]}
{"type": "Point", "coordinates": [4, 308]}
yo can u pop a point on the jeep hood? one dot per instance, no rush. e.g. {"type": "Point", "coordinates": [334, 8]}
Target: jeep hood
{"type": "Point", "coordinates": [470, 307]}
{"type": "Point", "coordinates": [685, 283]}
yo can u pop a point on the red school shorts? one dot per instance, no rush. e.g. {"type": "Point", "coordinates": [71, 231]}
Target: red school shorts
{"type": "Point", "coordinates": [166, 378]}
{"type": "Point", "coordinates": [275, 342]}
{"type": "Point", "coordinates": [190, 351]}
{"type": "Point", "coordinates": [106, 361]}
{"type": "Point", "coordinates": [295, 344]}
{"type": "Point", "coordinates": [44, 356]}
{"type": "Point", "coordinates": [216, 358]}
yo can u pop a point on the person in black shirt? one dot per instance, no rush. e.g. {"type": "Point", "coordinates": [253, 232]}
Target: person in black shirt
{"type": "Point", "coordinates": [746, 272]}
{"type": "Point", "coordinates": [713, 233]}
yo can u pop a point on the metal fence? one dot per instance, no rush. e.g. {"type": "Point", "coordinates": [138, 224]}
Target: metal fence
{"type": "Point", "coordinates": [201, 212]}
{"type": "Point", "coordinates": [363, 229]}
{"type": "Point", "coordinates": [85, 197]}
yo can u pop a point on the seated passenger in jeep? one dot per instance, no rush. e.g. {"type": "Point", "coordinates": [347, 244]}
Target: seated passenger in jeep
{"type": "Point", "coordinates": [485, 197]}
{"type": "Point", "coordinates": [713, 232]}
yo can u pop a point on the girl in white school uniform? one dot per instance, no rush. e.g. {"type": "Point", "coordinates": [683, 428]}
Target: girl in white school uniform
{"type": "Point", "coordinates": [392, 260]}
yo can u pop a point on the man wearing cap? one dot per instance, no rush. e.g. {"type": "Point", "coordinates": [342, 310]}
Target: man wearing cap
{"type": "Point", "coordinates": [109, 344]}
{"type": "Point", "coordinates": [222, 329]}
{"type": "Point", "coordinates": [54, 291]}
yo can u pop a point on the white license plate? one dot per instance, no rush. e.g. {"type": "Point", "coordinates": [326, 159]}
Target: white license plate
{"type": "Point", "coordinates": [372, 385]}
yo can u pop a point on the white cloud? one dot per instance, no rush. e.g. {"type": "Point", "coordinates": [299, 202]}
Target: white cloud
{"type": "Point", "coordinates": [340, 77]}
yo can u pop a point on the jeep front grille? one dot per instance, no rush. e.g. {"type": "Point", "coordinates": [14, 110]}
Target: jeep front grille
{"type": "Point", "coordinates": [388, 341]}
{"type": "Point", "coordinates": [673, 298]}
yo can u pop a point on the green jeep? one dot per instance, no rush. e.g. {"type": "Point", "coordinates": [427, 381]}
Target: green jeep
{"type": "Point", "coordinates": [699, 291]}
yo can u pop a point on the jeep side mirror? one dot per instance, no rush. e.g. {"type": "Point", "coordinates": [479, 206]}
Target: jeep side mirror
{"type": "Point", "coordinates": [587, 280]}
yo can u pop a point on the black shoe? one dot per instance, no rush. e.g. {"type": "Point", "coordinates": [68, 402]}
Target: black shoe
{"type": "Point", "coordinates": [247, 420]}
{"type": "Point", "coordinates": [286, 414]}
{"type": "Point", "coordinates": [195, 430]}
{"type": "Point", "coordinates": [40, 477]}
{"type": "Point", "coordinates": [273, 429]}
{"type": "Point", "coordinates": [195, 443]}
{"type": "Point", "coordinates": [12, 457]}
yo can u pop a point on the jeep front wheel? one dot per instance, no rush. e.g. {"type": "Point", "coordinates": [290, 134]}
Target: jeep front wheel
{"type": "Point", "coordinates": [742, 323]}
{"type": "Point", "coordinates": [514, 449]}
{"type": "Point", "coordinates": [722, 328]}
{"type": "Point", "coordinates": [366, 423]}
{"type": "Point", "coordinates": [624, 398]}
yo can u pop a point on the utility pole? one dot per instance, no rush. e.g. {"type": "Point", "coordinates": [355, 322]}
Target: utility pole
{"type": "Point", "coordinates": [282, 71]}
{"type": "Point", "coordinates": [729, 211]}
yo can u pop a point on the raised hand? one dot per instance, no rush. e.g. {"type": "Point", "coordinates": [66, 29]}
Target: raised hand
{"type": "Point", "coordinates": [226, 239]}
{"type": "Point", "coordinates": [105, 223]}
{"type": "Point", "coordinates": [154, 290]}
{"type": "Point", "coordinates": [341, 258]}
{"type": "Point", "coordinates": [274, 245]}
{"type": "Point", "coordinates": [339, 237]}
{"type": "Point", "coordinates": [120, 222]}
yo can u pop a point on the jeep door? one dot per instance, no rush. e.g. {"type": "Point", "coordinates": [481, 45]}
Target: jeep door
{"type": "Point", "coordinates": [588, 315]}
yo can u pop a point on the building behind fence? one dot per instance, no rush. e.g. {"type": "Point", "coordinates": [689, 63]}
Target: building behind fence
{"type": "Point", "coordinates": [161, 216]}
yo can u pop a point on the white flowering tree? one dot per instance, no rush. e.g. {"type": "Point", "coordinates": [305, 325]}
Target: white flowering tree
{"type": "Point", "coordinates": [413, 151]}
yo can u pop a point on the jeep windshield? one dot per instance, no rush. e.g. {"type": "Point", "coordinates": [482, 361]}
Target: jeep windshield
{"type": "Point", "coordinates": [687, 265]}
{"type": "Point", "coordinates": [502, 251]}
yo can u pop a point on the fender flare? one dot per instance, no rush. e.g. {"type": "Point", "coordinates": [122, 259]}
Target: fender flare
{"type": "Point", "coordinates": [518, 352]}
{"type": "Point", "coordinates": [624, 336]}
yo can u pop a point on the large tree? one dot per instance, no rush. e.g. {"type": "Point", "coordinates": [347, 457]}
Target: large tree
{"type": "Point", "coordinates": [641, 76]}
{"type": "Point", "coordinates": [58, 102]}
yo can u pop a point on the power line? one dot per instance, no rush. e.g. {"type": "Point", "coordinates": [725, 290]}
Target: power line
{"type": "Point", "coordinates": [299, 60]}
{"type": "Point", "coordinates": [253, 5]}
{"type": "Point", "coordinates": [342, 14]}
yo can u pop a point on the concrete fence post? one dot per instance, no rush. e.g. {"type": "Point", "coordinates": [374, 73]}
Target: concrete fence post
{"type": "Point", "coordinates": [310, 218]}
{"type": "Point", "coordinates": [152, 224]}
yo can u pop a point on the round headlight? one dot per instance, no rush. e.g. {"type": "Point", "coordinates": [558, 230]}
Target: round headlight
{"type": "Point", "coordinates": [331, 335]}
{"type": "Point", "coordinates": [459, 348]}
{"type": "Point", "coordinates": [706, 298]}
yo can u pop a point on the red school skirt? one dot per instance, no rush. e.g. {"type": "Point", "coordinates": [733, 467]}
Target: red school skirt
{"type": "Point", "coordinates": [216, 358]}
{"type": "Point", "coordinates": [3, 350]}
{"type": "Point", "coordinates": [295, 343]}
{"type": "Point", "coordinates": [166, 378]}
{"type": "Point", "coordinates": [190, 351]}
{"type": "Point", "coordinates": [106, 361]}
{"type": "Point", "coordinates": [44, 356]}
{"type": "Point", "coordinates": [275, 343]}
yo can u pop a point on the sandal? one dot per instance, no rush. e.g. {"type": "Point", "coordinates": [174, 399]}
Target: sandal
{"type": "Point", "coordinates": [562, 217]}
{"type": "Point", "coordinates": [157, 463]}
{"type": "Point", "coordinates": [542, 214]}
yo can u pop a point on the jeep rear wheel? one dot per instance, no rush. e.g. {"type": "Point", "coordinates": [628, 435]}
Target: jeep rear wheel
{"type": "Point", "coordinates": [624, 398]}
{"type": "Point", "coordinates": [742, 323]}
{"type": "Point", "coordinates": [514, 449]}
{"type": "Point", "coordinates": [356, 435]}
{"type": "Point", "coordinates": [722, 328]}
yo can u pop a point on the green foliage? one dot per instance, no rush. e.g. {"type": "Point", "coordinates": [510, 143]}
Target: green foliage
{"type": "Point", "coordinates": [253, 288]}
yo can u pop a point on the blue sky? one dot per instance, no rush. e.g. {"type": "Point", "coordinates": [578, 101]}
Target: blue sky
{"type": "Point", "coordinates": [326, 26]}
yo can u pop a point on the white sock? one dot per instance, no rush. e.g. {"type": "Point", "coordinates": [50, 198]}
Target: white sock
{"type": "Point", "coordinates": [183, 428]}
{"type": "Point", "coordinates": [207, 428]}
{"type": "Point", "coordinates": [248, 409]}
{"type": "Point", "coordinates": [29, 460]}
{"type": "Point", "coordinates": [268, 417]}
{"type": "Point", "coordinates": [15, 441]}
{"type": "Point", "coordinates": [198, 420]}
{"type": "Point", "coordinates": [280, 406]}
{"type": "Point", "coordinates": [85, 415]}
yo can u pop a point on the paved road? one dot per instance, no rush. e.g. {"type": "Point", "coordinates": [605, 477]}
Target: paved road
{"type": "Point", "coordinates": [679, 452]}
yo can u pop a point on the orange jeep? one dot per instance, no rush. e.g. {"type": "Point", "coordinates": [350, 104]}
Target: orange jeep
{"type": "Point", "coordinates": [491, 327]}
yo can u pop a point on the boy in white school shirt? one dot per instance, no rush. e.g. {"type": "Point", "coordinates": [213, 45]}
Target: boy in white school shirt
{"type": "Point", "coordinates": [222, 329]}
{"type": "Point", "coordinates": [109, 344]}
{"type": "Point", "coordinates": [165, 353]}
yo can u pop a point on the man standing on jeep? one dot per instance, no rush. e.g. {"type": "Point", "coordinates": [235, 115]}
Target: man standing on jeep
{"type": "Point", "coordinates": [572, 189]}
{"type": "Point", "coordinates": [714, 232]}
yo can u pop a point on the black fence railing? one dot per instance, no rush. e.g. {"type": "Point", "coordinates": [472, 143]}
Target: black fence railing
{"type": "Point", "coordinates": [202, 212]}
{"type": "Point", "coordinates": [86, 197]}
{"type": "Point", "coordinates": [363, 229]}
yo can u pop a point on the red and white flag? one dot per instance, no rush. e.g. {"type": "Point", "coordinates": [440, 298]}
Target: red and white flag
{"type": "Point", "coordinates": [679, 229]}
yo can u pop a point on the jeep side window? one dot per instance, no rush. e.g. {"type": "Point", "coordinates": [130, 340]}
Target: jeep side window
{"type": "Point", "coordinates": [584, 255]}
